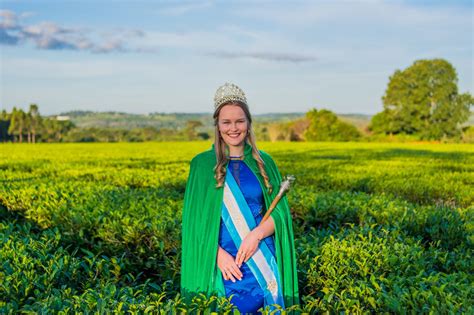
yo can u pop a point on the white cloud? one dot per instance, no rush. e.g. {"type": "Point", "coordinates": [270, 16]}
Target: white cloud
{"type": "Point", "coordinates": [9, 19]}
{"type": "Point", "coordinates": [51, 36]}
{"type": "Point", "coordinates": [223, 42]}
{"type": "Point", "coordinates": [269, 56]}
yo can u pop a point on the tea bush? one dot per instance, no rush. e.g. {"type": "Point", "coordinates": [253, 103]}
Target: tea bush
{"type": "Point", "coordinates": [95, 228]}
{"type": "Point", "coordinates": [370, 268]}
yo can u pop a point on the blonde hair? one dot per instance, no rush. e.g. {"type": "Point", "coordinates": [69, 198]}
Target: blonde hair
{"type": "Point", "coordinates": [220, 147]}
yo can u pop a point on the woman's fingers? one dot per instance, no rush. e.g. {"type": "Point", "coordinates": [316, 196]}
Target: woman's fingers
{"type": "Point", "coordinates": [230, 275]}
{"type": "Point", "coordinates": [240, 257]}
{"type": "Point", "coordinates": [245, 254]}
{"type": "Point", "coordinates": [232, 272]}
{"type": "Point", "coordinates": [247, 249]}
{"type": "Point", "coordinates": [236, 272]}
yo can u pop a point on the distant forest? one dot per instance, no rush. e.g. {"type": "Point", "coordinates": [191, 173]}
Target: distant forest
{"type": "Point", "coordinates": [90, 126]}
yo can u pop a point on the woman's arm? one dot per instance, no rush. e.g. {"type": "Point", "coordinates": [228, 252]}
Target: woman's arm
{"type": "Point", "coordinates": [265, 229]}
{"type": "Point", "coordinates": [249, 244]}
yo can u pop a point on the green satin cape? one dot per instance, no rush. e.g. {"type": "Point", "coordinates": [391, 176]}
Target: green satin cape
{"type": "Point", "coordinates": [201, 221]}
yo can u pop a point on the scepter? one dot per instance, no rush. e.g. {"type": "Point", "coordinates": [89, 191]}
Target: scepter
{"type": "Point", "coordinates": [284, 187]}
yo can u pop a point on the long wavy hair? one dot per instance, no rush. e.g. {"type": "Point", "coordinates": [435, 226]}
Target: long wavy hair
{"type": "Point", "coordinates": [220, 147]}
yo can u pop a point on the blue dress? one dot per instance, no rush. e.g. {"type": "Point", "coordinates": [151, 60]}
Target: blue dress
{"type": "Point", "coordinates": [248, 295]}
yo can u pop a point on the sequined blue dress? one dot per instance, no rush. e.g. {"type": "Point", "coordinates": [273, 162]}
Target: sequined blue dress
{"type": "Point", "coordinates": [248, 296]}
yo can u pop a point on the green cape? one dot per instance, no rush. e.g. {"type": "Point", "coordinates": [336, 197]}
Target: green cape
{"type": "Point", "coordinates": [201, 221]}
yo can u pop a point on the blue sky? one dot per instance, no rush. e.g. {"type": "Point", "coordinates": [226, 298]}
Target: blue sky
{"type": "Point", "coordinates": [170, 56]}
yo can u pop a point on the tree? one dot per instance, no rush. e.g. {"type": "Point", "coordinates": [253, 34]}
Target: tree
{"type": "Point", "coordinates": [35, 121]}
{"type": "Point", "coordinates": [61, 128]}
{"type": "Point", "coordinates": [446, 121]}
{"type": "Point", "coordinates": [190, 130]}
{"type": "Point", "coordinates": [325, 126]}
{"type": "Point", "coordinates": [278, 132]}
{"type": "Point", "coordinates": [298, 128]}
{"type": "Point", "coordinates": [14, 123]}
{"type": "Point", "coordinates": [18, 124]}
{"type": "Point", "coordinates": [423, 99]}
{"type": "Point", "coordinates": [54, 130]}
{"type": "Point", "coordinates": [385, 122]}
{"type": "Point", "coordinates": [26, 126]}
{"type": "Point", "coordinates": [4, 125]}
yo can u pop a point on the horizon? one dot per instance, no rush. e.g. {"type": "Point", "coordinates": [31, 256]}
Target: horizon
{"type": "Point", "coordinates": [194, 113]}
{"type": "Point", "coordinates": [146, 57]}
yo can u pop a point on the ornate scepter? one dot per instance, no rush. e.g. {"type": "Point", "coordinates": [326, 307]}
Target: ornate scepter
{"type": "Point", "coordinates": [284, 187]}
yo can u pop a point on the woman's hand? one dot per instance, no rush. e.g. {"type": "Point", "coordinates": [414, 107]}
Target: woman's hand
{"type": "Point", "coordinates": [227, 265]}
{"type": "Point", "coordinates": [249, 246]}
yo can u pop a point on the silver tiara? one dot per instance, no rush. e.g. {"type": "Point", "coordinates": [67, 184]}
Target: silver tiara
{"type": "Point", "coordinates": [229, 92]}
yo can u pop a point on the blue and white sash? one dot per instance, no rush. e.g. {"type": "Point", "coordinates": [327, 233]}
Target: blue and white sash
{"type": "Point", "coordinates": [239, 220]}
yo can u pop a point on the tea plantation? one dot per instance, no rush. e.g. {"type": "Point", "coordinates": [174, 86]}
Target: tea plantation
{"type": "Point", "coordinates": [95, 228]}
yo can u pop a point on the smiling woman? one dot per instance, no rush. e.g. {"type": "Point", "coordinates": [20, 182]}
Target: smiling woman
{"type": "Point", "coordinates": [233, 126]}
{"type": "Point", "coordinates": [226, 251]}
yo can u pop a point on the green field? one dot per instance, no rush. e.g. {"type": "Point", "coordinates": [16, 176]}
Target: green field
{"type": "Point", "coordinates": [95, 228]}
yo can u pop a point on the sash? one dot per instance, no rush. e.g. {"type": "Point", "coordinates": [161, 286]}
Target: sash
{"type": "Point", "coordinates": [239, 220]}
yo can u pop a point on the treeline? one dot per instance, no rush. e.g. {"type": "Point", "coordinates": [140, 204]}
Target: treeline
{"type": "Point", "coordinates": [93, 134]}
{"type": "Point", "coordinates": [317, 125]}
{"type": "Point", "coordinates": [31, 127]}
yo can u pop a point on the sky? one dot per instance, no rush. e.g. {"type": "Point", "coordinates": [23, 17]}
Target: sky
{"type": "Point", "coordinates": [148, 56]}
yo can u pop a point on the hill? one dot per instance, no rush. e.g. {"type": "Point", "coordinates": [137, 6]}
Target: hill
{"type": "Point", "coordinates": [176, 121]}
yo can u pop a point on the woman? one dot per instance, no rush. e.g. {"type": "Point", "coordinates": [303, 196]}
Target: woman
{"type": "Point", "coordinates": [226, 251]}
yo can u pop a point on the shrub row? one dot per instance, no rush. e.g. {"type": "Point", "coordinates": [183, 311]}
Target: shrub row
{"type": "Point", "coordinates": [378, 228]}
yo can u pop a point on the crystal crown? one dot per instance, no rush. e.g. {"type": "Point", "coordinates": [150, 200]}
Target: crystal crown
{"type": "Point", "coordinates": [229, 92]}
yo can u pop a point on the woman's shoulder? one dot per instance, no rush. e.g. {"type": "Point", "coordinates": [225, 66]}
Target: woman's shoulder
{"type": "Point", "coordinates": [270, 165]}
{"type": "Point", "coordinates": [206, 158]}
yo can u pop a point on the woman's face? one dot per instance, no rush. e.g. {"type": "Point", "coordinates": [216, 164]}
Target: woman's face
{"type": "Point", "coordinates": [233, 125]}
